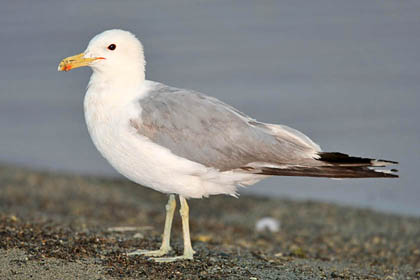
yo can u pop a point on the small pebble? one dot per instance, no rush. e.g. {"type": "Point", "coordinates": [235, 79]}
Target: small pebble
{"type": "Point", "coordinates": [138, 235]}
{"type": "Point", "coordinates": [267, 224]}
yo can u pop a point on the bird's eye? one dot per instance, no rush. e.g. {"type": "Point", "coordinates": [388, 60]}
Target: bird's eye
{"type": "Point", "coordinates": [112, 47]}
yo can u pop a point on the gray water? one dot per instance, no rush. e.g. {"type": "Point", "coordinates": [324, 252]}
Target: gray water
{"type": "Point", "coordinates": [346, 73]}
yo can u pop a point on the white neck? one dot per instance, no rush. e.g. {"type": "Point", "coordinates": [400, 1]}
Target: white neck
{"type": "Point", "coordinates": [119, 77]}
{"type": "Point", "coordinates": [116, 84]}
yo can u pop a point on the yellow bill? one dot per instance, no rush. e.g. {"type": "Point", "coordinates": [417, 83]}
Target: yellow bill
{"type": "Point", "coordinates": [76, 61]}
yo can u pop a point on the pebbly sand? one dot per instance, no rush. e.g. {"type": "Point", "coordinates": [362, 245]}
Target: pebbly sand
{"type": "Point", "coordinates": [55, 226]}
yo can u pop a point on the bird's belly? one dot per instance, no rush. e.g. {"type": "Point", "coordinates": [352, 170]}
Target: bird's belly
{"type": "Point", "coordinates": [143, 161]}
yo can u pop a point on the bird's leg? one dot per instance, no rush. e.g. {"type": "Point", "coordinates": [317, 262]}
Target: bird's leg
{"type": "Point", "coordinates": [188, 250]}
{"type": "Point", "coordinates": [185, 215]}
{"type": "Point", "coordinates": [165, 247]}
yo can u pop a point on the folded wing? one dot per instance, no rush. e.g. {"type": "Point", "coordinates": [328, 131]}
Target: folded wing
{"type": "Point", "coordinates": [207, 131]}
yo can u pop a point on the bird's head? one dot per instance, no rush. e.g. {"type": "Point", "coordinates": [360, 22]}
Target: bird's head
{"type": "Point", "coordinates": [112, 53]}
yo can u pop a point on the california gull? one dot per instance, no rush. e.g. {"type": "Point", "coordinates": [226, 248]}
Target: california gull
{"type": "Point", "coordinates": [179, 141]}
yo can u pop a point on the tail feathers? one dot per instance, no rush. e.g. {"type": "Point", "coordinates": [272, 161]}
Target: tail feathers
{"type": "Point", "coordinates": [334, 165]}
{"type": "Point", "coordinates": [328, 172]}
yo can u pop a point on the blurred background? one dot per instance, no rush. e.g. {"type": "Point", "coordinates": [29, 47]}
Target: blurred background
{"type": "Point", "coordinates": [346, 73]}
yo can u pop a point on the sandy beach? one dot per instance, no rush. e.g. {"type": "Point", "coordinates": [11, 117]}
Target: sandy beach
{"type": "Point", "coordinates": [55, 226]}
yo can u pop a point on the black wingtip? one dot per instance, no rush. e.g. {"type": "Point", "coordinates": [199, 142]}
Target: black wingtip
{"type": "Point", "coordinates": [344, 159]}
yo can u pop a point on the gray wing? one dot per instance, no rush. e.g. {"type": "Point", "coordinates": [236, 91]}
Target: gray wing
{"type": "Point", "coordinates": [205, 130]}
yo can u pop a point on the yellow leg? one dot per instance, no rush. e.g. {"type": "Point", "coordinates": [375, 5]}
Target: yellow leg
{"type": "Point", "coordinates": [165, 247]}
{"type": "Point", "coordinates": [188, 250]}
